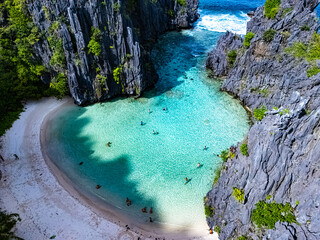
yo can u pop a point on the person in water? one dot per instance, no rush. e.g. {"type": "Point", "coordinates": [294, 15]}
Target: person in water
{"type": "Point", "coordinates": [144, 210]}
{"type": "Point", "coordinates": [150, 219]}
{"type": "Point", "coordinates": [141, 123]}
{"type": "Point", "coordinates": [128, 201]}
{"type": "Point", "coordinates": [198, 164]}
{"type": "Point", "coordinates": [98, 186]}
{"type": "Point", "coordinates": [186, 179]}
{"type": "Point", "coordinates": [109, 144]}
{"type": "Point", "coordinates": [151, 211]}
{"type": "Point", "coordinates": [205, 148]}
{"type": "Point", "coordinates": [80, 163]}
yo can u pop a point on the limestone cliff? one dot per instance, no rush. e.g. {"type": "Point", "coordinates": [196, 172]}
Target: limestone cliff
{"type": "Point", "coordinates": [122, 30]}
{"type": "Point", "coordinates": [284, 157]}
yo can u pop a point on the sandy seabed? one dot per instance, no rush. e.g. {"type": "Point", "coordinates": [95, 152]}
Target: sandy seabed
{"type": "Point", "coordinates": [47, 202]}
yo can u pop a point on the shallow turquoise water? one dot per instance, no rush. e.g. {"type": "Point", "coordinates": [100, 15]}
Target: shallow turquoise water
{"type": "Point", "coordinates": [151, 169]}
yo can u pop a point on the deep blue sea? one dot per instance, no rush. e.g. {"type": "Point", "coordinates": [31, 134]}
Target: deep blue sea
{"type": "Point", "coordinates": [148, 168]}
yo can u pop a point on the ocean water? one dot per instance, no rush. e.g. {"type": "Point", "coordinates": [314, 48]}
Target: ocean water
{"type": "Point", "coordinates": [150, 169]}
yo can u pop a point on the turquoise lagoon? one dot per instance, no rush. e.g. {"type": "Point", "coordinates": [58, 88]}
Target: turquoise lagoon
{"type": "Point", "coordinates": [151, 169]}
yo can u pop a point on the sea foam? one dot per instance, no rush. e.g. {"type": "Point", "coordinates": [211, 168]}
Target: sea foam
{"type": "Point", "coordinates": [224, 22]}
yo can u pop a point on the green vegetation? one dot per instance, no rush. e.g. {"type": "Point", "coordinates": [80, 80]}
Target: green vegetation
{"type": "Point", "coordinates": [269, 35]}
{"type": "Point", "coordinates": [182, 2]}
{"type": "Point", "coordinates": [232, 55]}
{"type": "Point", "coordinates": [116, 6]}
{"type": "Point", "coordinates": [58, 59]}
{"type": "Point", "coordinates": [286, 34]}
{"type": "Point", "coordinates": [94, 44]}
{"type": "Point", "coordinates": [271, 8]}
{"type": "Point", "coordinates": [314, 70]}
{"type": "Point", "coordinates": [208, 211]}
{"type": "Point", "coordinates": [116, 74]}
{"type": "Point", "coordinates": [260, 113]}
{"type": "Point", "coordinates": [284, 111]}
{"type": "Point", "coordinates": [7, 222]}
{"type": "Point", "coordinates": [217, 173]}
{"type": "Point", "coordinates": [264, 92]}
{"type": "Point", "coordinates": [46, 12]}
{"type": "Point", "coordinates": [309, 52]}
{"type": "Point", "coordinates": [59, 86]}
{"type": "Point", "coordinates": [267, 214]}
{"type": "Point", "coordinates": [285, 11]}
{"type": "Point", "coordinates": [217, 229]}
{"type": "Point", "coordinates": [244, 149]}
{"type": "Point", "coordinates": [224, 155]}
{"type": "Point", "coordinates": [242, 238]}
{"type": "Point", "coordinates": [247, 39]}
{"type": "Point", "coordinates": [268, 197]}
{"type": "Point", "coordinates": [20, 73]}
{"type": "Point", "coordinates": [305, 28]}
{"type": "Point", "coordinates": [238, 194]}
{"type": "Point", "coordinates": [308, 111]}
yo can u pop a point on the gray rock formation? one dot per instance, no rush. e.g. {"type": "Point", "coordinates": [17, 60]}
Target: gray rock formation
{"type": "Point", "coordinates": [127, 30]}
{"type": "Point", "coordinates": [284, 156]}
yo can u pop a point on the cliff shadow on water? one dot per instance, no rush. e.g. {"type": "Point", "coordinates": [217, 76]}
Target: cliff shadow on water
{"type": "Point", "coordinates": [105, 181]}
{"type": "Point", "coordinates": [73, 149]}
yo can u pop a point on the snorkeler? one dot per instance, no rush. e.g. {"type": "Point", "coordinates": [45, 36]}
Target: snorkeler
{"type": "Point", "coordinates": [198, 164]}
{"type": "Point", "coordinates": [128, 201]}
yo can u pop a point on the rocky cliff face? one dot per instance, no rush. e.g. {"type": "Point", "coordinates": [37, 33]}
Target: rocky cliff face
{"type": "Point", "coordinates": [283, 147]}
{"type": "Point", "coordinates": [124, 31]}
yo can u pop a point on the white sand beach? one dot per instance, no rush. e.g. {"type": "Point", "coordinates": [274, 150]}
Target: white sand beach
{"type": "Point", "coordinates": [48, 205]}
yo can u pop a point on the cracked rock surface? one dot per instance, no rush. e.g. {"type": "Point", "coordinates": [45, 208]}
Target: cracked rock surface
{"type": "Point", "coordinates": [284, 148]}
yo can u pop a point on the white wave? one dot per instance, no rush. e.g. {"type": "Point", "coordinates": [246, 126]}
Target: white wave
{"type": "Point", "coordinates": [224, 22]}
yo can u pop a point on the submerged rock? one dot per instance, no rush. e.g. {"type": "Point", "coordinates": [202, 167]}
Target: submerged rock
{"type": "Point", "coordinates": [284, 157]}
{"type": "Point", "coordinates": [125, 31]}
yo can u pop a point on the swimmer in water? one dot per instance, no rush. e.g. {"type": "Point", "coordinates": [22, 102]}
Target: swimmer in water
{"type": "Point", "coordinates": [128, 201]}
{"type": "Point", "coordinates": [198, 164]}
